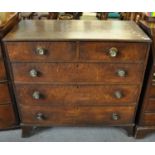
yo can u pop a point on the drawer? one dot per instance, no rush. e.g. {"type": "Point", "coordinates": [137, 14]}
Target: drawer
{"type": "Point", "coordinates": [78, 72]}
{"type": "Point", "coordinates": [148, 119]}
{"type": "Point", "coordinates": [112, 51]}
{"type": "Point", "coordinates": [152, 91]}
{"type": "Point", "coordinates": [77, 115]}
{"type": "Point", "coordinates": [150, 107]}
{"type": "Point", "coordinates": [41, 51]}
{"type": "Point", "coordinates": [2, 70]}
{"type": "Point", "coordinates": [4, 94]}
{"type": "Point", "coordinates": [77, 94]}
{"type": "Point", "coordinates": [7, 117]}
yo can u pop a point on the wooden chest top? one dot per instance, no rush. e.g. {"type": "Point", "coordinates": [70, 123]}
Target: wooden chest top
{"type": "Point", "coordinates": [28, 30]}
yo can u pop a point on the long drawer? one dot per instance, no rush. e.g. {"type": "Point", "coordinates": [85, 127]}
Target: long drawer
{"type": "Point", "coordinates": [67, 51]}
{"type": "Point", "coordinates": [4, 94]}
{"type": "Point", "coordinates": [77, 116]}
{"type": "Point", "coordinates": [77, 94]}
{"type": "Point", "coordinates": [78, 72]}
{"type": "Point", "coordinates": [7, 117]}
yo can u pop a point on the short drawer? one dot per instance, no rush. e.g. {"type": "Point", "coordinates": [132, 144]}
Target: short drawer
{"type": "Point", "coordinates": [78, 72]}
{"type": "Point", "coordinates": [61, 95]}
{"type": "Point", "coordinates": [4, 94]}
{"type": "Point", "coordinates": [148, 119]}
{"type": "Point", "coordinates": [112, 51]}
{"type": "Point", "coordinates": [2, 70]}
{"type": "Point", "coordinates": [77, 116]}
{"type": "Point", "coordinates": [7, 117]}
{"type": "Point", "coordinates": [41, 51]}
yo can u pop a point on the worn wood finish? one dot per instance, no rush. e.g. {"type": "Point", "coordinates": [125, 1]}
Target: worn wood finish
{"type": "Point", "coordinates": [88, 51]}
{"type": "Point", "coordinates": [127, 52]}
{"type": "Point", "coordinates": [146, 119]}
{"type": "Point", "coordinates": [2, 70]}
{"type": "Point", "coordinates": [76, 76]}
{"type": "Point", "coordinates": [7, 117]}
{"type": "Point", "coordinates": [150, 105]}
{"type": "Point", "coordinates": [4, 94]}
{"type": "Point", "coordinates": [54, 51]}
{"type": "Point", "coordinates": [57, 30]}
{"type": "Point", "coordinates": [77, 95]}
{"type": "Point", "coordinates": [142, 131]}
{"type": "Point", "coordinates": [78, 72]}
{"type": "Point", "coordinates": [77, 116]}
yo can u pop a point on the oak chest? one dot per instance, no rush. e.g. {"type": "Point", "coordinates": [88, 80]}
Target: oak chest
{"type": "Point", "coordinates": [77, 73]}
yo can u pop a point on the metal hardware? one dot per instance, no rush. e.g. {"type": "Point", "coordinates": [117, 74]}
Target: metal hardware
{"type": "Point", "coordinates": [40, 51]}
{"type": "Point", "coordinates": [121, 72]}
{"type": "Point", "coordinates": [118, 94]}
{"type": "Point", "coordinates": [40, 116]}
{"type": "Point", "coordinates": [36, 95]}
{"type": "Point", "coordinates": [115, 116]}
{"type": "Point", "coordinates": [113, 52]}
{"type": "Point", "coordinates": [33, 73]}
{"type": "Point", "coordinates": [153, 79]}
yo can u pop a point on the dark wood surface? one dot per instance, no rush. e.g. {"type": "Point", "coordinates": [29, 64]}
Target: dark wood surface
{"type": "Point", "coordinates": [76, 76]}
{"type": "Point", "coordinates": [30, 30]}
{"type": "Point", "coordinates": [2, 67]}
{"type": "Point", "coordinates": [77, 116]}
{"type": "Point", "coordinates": [60, 95]}
{"type": "Point", "coordinates": [7, 116]}
{"type": "Point", "coordinates": [73, 51]}
{"type": "Point", "coordinates": [146, 119]}
{"type": "Point", "coordinates": [4, 94]}
{"type": "Point", "coordinates": [8, 112]}
{"type": "Point", "coordinates": [78, 73]}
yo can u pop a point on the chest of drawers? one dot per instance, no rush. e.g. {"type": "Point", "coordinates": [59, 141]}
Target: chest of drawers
{"type": "Point", "coordinates": [146, 119]}
{"type": "Point", "coordinates": [77, 73]}
{"type": "Point", "coordinates": [8, 115]}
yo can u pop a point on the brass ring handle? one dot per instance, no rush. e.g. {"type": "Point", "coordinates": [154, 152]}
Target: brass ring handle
{"type": "Point", "coordinates": [118, 94]}
{"type": "Point", "coordinates": [33, 73]}
{"type": "Point", "coordinates": [113, 52]}
{"type": "Point", "coordinates": [36, 95]}
{"type": "Point", "coordinates": [40, 116]}
{"type": "Point", "coordinates": [40, 51]}
{"type": "Point", "coordinates": [121, 73]}
{"type": "Point", "coordinates": [115, 116]}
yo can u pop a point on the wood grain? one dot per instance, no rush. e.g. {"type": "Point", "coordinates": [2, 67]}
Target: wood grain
{"type": "Point", "coordinates": [61, 95]}
{"type": "Point", "coordinates": [77, 72]}
{"type": "Point", "coordinates": [77, 116]}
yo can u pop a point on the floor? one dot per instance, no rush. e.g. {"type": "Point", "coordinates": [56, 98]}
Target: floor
{"type": "Point", "coordinates": [74, 134]}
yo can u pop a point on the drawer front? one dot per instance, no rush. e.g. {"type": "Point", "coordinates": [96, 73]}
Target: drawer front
{"type": "Point", "coordinates": [78, 72]}
{"type": "Point", "coordinates": [7, 117]}
{"type": "Point", "coordinates": [2, 70]}
{"type": "Point", "coordinates": [105, 51]}
{"type": "Point", "coordinates": [61, 95]}
{"type": "Point", "coordinates": [150, 105]}
{"type": "Point", "coordinates": [77, 116]}
{"type": "Point", "coordinates": [152, 91]}
{"type": "Point", "coordinates": [41, 51]}
{"type": "Point", "coordinates": [148, 119]}
{"type": "Point", "coordinates": [4, 94]}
